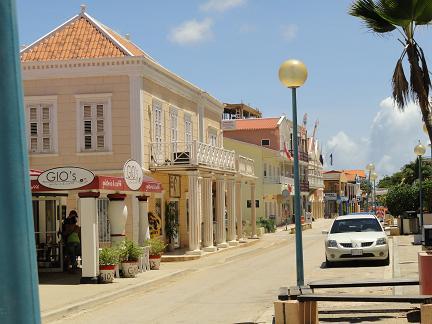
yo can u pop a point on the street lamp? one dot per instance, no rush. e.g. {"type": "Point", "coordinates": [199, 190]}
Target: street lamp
{"type": "Point", "coordinates": [420, 150]}
{"type": "Point", "coordinates": [370, 168]}
{"type": "Point", "coordinates": [292, 74]}
{"type": "Point", "coordinates": [373, 177]}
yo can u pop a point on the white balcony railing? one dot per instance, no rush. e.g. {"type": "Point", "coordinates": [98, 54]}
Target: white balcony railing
{"type": "Point", "coordinates": [279, 180]}
{"type": "Point", "coordinates": [315, 181]}
{"type": "Point", "coordinates": [245, 166]}
{"type": "Point", "coordinates": [191, 154]}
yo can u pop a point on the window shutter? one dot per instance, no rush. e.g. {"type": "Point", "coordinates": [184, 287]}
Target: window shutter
{"type": "Point", "coordinates": [87, 111]}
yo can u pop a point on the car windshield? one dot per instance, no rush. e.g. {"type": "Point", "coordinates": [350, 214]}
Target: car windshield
{"type": "Point", "coordinates": [355, 225]}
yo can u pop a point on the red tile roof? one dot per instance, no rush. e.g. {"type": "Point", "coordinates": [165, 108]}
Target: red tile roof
{"type": "Point", "coordinates": [82, 37]}
{"type": "Point", "coordinates": [256, 123]}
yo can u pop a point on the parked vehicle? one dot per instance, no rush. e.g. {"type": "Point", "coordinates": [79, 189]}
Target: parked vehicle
{"type": "Point", "coordinates": [356, 237]}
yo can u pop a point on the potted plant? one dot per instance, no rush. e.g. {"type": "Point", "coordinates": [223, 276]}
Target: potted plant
{"type": "Point", "coordinates": [129, 255]}
{"type": "Point", "coordinates": [171, 229]}
{"type": "Point", "coordinates": [156, 247]}
{"type": "Point", "coordinates": [108, 259]}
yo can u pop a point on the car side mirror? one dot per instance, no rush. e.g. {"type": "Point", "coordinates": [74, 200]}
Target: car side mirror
{"type": "Point", "coordinates": [324, 232]}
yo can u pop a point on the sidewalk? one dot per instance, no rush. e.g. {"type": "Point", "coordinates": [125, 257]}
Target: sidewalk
{"type": "Point", "coordinates": [61, 293]}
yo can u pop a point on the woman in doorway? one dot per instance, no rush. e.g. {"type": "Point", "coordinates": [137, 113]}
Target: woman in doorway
{"type": "Point", "coordinates": [72, 238]}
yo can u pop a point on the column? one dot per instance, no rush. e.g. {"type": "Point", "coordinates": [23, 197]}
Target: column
{"type": "Point", "coordinates": [207, 214]}
{"type": "Point", "coordinates": [194, 214]}
{"type": "Point", "coordinates": [117, 215]}
{"type": "Point", "coordinates": [143, 224]}
{"type": "Point", "coordinates": [231, 211]}
{"type": "Point", "coordinates": [89, 237]}
{"type": "Point", "coordinates": [253, 212]}
{"type": "Point", "coordinates": [220, 214]}
{"type": "Point", "coordinates": [239, 211]}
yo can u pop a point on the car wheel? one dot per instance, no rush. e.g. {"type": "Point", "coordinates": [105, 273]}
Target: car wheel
{"type": "Point", "coordinates": [329, 264]}
{"type": "Point", "coordinates": [386, 262]}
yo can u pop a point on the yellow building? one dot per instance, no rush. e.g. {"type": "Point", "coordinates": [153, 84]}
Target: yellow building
{"type": "Point", "coordinates": [94, 100]}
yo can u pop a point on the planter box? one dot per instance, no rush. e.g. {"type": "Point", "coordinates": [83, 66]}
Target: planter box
{"type": "Point", "coordinates": [130, 269]}
{"type": "Point", "coordinates": [155, 261]}
{"type": "Point", "coordinates": [106, 274]}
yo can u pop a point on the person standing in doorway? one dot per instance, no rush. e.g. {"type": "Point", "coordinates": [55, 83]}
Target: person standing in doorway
{"type": "Point", "coordinates": [72, 235]}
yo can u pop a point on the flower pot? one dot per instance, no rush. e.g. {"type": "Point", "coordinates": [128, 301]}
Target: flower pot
{"type": "Point", "coordinates": [155, 262]}
{"type": "Point", "coordinates": [129, 269]}
{"type": "Point", "coordinates": [106, 273]}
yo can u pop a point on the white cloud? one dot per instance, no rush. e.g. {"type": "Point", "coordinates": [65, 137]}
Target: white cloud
{"type": "Point", "coordinates": [389, 142]}
{"type": "Point", "coordinates": [192, 32]}
{"type": "Point", "coordinates": [289, 32]}
{"type": "Point", "coordinates": [247, 28]}
{"type": "Point", "coordinates": [221, 5]}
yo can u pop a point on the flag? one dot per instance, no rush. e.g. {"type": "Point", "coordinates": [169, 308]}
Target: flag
{"type": "Point", "coordinates": [331, 158]}
{"type": "Point", "coordinates": [321, 159]}
{"type": "Point", "coordinates": [288, 154]}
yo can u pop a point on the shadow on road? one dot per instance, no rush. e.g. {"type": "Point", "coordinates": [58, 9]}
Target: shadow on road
{"type": "Point", "coordinates": [352, 264]}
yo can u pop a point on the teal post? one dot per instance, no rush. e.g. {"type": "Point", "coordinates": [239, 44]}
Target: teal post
{"type": "Point", "coordinates": [297, 210]}
{"type": "Point", "coordinates": [421, 196]}
{"type": "Point", "coordinates": [19, 298]}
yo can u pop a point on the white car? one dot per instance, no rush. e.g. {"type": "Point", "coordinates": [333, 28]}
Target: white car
{"type": "Point", "coordinates": [355, 237]}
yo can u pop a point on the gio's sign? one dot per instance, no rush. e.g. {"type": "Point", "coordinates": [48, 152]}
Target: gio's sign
{"type": "Point", "coordinates": [133, 174]}
{"type": "Point", "coordinates": [65, 178]}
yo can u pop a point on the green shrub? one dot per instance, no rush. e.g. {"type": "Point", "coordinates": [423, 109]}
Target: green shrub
{"type": "Point", "coordinates": [156, 245]}
{"type": "Point", "coordinates": [268, 224]}
{"type": "Point", "coordinates": [130, 251]}
{"type": "Point", "coordinates": [109, 256]}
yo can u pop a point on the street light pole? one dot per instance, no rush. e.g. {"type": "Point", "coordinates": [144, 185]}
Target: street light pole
{"type": "Point", "coordinates": [419, 150]}
{"type": "Point", "coordinates": [370, 167]}
{"type": "Point", "coordinates": [293, 74]}
{"type": "Point", "coordinates": [299, 243]}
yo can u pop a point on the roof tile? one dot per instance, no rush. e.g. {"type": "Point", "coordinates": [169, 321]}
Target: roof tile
{"type": "Point", "coordinates": [256, 123]}
{"type": "Point", "coordinates": [81, 38]}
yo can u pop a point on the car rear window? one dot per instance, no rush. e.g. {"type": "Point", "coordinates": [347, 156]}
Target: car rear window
{"type": "Point", "coordinates": [355, 225]}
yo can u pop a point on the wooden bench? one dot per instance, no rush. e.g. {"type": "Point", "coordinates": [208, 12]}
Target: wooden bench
{"type": "Point", "coordinates": [412, 299]}
{"type": "Point", "coordinates": [365, 283]}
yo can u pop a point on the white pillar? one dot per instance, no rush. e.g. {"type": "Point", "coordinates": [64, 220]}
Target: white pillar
{"type": "Point", "coordinates": [207, 214]}
{"type": "Point", "coordinates": [143, 226]}
{"type": "Point", "coordinates": [194, 214]}
{"type": "Point", "coordinates": [220, 214]}
{"type": "Point", "coordinates": [231, 234]}
{"type": "Point", "coordinates": [89, 237]}
{"type": "Point", "coordinates": [253, 212]}
{"type": "Point", "coordinates": [239, 211]}
{"type": "Point", "coordinates": [117, 215]}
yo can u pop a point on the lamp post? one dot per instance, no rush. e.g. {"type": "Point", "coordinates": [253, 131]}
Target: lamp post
{"type": "Point", "coordinates": [420, 150]}
{"type": "Point", "coordinates": [370, 168]}
{"type": "Point", "coordinates": [373, 177]}
{"type": "Point", "coordinates": [292, 74]}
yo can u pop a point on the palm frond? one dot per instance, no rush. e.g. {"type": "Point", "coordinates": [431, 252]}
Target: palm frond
{"type": "Point", "coordinates": [397, 12]}
{"type": "Point", "coordinates": [426, 78]}
{"type": "Point", "coordinates": [367, 11]}
{"type": "Point", "coordinates": [423, 12]}
{"type": "Point", "coordinates": [400, 86]}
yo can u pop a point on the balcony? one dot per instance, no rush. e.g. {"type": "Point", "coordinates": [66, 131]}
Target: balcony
{"type": "Point", "coordinates": [245, 166]}
{"type": "Point", "coordinates": [195, 153]}
{"type": "Point", "coordinates": [304, 186]}
{"type": "Point", "coordinates": [315, 181]}
{"type": "Point", "coordinates": [303, 156]}
{"type": "Point", "coordinates": [279, 180]}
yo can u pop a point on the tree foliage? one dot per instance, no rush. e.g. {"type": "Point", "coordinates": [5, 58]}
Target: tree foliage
{"type": "Point", "coordinates": [402, 198]}
{"type": "Point", "coordinates": [408, 174]}
{"type": "Point", "coordinates": [405, 17]}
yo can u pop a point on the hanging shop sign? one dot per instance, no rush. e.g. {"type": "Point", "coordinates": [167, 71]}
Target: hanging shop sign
{"type": "Point", "coordinates": [65, 178]}
{"type": "Point", "coordinates": [133, 174]}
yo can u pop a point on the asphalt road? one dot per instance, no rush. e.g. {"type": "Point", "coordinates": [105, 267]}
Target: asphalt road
{"type": "Point", "coordinates": [237, 286]}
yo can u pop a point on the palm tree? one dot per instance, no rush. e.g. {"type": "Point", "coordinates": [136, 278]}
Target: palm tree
{"type": "Point", "coordinates": [403, 16]}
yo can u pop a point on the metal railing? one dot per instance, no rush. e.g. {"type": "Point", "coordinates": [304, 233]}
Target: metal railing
{"type": "Point", "coordinates": [304, 186]}
{"type": "Point", "coordinates": [191, 154]}
{"type": "Point", "coordinates": [303, 156]}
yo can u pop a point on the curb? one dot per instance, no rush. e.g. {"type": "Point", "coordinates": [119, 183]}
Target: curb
{"type": "Point", "coordinates": [52, 315]}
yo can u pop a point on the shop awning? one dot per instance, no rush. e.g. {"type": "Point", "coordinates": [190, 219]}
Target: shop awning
{"type": "Point", "coordinates": [111, 183]}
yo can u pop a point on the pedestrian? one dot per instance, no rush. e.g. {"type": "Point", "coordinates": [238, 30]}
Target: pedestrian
{"type": "Point", "coordinates": [72, 236]}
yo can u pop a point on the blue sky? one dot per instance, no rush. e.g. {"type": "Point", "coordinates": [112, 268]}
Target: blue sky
{"type": "Point", "coordinates": [233, 49]}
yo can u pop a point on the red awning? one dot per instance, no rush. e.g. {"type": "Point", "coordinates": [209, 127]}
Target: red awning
{"type": "Point", "coordinates": [34, 173]}
{"type": "Point", "coordinates": [101, 182]}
